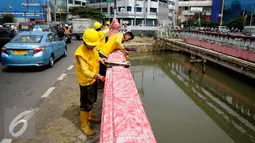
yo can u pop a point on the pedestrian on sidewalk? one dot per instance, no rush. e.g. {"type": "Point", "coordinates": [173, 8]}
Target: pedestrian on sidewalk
{"type": "Point", "coordinates": [114, 43]}
{"type": "Point", "coordinates": [87, 71]}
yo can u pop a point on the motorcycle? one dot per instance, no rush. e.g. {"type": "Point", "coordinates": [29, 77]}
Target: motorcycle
{"type": "Point", "coordinates": [67, 38]}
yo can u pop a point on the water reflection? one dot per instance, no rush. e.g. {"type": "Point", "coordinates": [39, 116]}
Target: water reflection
{"type": "Point", "coordinates": [231, 109]}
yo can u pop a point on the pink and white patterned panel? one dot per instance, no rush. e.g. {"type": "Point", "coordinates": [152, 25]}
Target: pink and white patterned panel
{"type": "Point", "coordinates": [123, 117]}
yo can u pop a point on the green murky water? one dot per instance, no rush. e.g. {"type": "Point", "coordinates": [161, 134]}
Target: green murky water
{"type": "Point", "coordinates": [196, 108]}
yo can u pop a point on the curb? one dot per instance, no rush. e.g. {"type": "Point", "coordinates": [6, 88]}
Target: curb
{"type": "Point", "coordinates": [32, 110]}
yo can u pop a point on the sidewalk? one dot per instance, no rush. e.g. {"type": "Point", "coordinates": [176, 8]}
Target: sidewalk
{"type": "Point", "coordinates": [57, 118]}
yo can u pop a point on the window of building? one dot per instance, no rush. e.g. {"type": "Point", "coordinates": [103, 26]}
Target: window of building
{"type": "Point", "coordinates": [104, 9]}
{"type": "Point", "coordinates": [77, 2]}
{"type": "Point", "coordinates": [119, 9]}
{"type": "Point", "coordinates": [83, 3]}
{"type": "Point", "coordinates": [186, 8]}
{"type": "Point", "coordinates": [70, 1]}
{"type": "Point", "coordinates": [129, 8]}
{"type": "Point", "coordinates": [155, 0]}
{"type": "Point", "coordinates": [98, 9]}
{"type": "Point", "coordinates": [154, 10]}
{"type": "Point", "coordinates": [138, 9]}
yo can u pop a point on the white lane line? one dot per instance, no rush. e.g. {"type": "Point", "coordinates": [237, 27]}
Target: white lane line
{"type": "Point", "coordinates": [6, 141]}
{"type": "Point", "coordinates": [70, 67]}
{"type": "Point", "coordinates": [30, 114]}
{"type": "Point", "coordinates": [62, 76]}
{"type": "Point", "coordinates": [48, 92]}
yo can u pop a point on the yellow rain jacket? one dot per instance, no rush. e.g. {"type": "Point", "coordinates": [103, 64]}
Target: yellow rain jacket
{"type": "Point", "coordinates": [107, 28]}
{"type": "Point", "coordinates": [114, 43]}
{"type": "Point", "coordinates": [87, 65]}
{"type": "Point", "coordinates": [101, 34]}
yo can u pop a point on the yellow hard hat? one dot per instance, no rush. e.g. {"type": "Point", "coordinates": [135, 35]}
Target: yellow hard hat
{"type": "Point", "coordinates": [107, 23]}
{"type": "Point", "coordinates": [97, 25]}
{"type": "Point", "coordinates": [90, 37]}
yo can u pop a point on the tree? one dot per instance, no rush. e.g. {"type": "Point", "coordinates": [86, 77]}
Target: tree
{"type": "Point", "coordinates": [237, 22]}
{"type": "Point", "coordinates": [87, 12]}
{"type": "Point", "coordinates": [7, 18]}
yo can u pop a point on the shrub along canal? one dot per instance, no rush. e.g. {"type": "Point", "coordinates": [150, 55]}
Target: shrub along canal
{"type": "Point", "coordinates": [181, 107]}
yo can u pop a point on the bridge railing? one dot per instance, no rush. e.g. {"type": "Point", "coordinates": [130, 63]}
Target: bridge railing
{"type": "Point", "coordinates": [123, 116]}
{"type": "Point", "coordinates": [235, 45]}
{"type": "Point", "coordinates": [240, 41]}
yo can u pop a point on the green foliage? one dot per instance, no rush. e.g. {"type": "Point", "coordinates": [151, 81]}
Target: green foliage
{"type": "Point", "coordinates": [7, 18]}
{"type": "Point", "coordinates": [87, 12]}
{"type": "Point", "coordinates": [142, 35]}
{"type": "Point", "coordinates": [206, 23]}
{"type": "Point", "coordinates": [237, 22]}
{"type": "Point", "coordinates": [150, 34]}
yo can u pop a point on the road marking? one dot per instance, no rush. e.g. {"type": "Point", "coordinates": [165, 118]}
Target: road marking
{"type": "Point", "coordinates": [62, 76]}
{"type": "Point", "coordinates": [48, 92]}
{"type": "Point", "coordinates": [70, 67]}
{"type": "Point", "coordinates": [30, 114]}
{"type": "Point", "coordinates": [6, 141]}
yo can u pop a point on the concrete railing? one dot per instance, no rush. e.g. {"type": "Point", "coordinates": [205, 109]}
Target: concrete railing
{"type": "Point", "coordinates": [123, 116]}
{"type": "Point", "coordinates": [235, 45]}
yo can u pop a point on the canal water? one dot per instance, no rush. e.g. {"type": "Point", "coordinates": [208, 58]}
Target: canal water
{"type": "Point", "coordinates": [193, 108]}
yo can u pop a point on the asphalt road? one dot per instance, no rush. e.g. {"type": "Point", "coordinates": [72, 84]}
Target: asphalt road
{"type": "Point", "coordinates": [22, 87]}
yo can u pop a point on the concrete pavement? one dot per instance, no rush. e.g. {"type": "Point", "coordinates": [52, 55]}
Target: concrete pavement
{"type": "Point", "coordinates": [57, 118]}
{"type": "Point", "coordinates": [24, 86]}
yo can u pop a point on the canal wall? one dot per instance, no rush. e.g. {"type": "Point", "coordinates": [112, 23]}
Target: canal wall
{"type": "Point", "coordinates": [140, 44]}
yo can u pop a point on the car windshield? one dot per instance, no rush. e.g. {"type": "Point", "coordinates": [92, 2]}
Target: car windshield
{"type": "Point", "coordinates": [27, 39]}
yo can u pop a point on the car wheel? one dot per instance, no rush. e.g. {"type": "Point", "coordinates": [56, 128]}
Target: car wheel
{"type": "Point", "coordinates": [51, 63]}
{"type": "Point", "coordinates": [65, 52]}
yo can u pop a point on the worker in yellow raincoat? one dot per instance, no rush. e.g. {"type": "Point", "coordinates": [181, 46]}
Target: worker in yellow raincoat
{"type": "Point", "coordinates": [107, 26]}
{"type": "Point", "coordinates": [102, 33]}
{"type": "Point", "coordinates": [87, 71]}
{"type": "Point", "coordinates": [114, 43]}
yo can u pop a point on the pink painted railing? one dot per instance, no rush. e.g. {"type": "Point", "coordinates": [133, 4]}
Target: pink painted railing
{"type": "Point", "coordinates": [123, 117]}
{"type": "Point", "coordinates": [234, 45]}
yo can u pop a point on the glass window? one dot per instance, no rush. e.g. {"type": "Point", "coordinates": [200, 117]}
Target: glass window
{"type": "Point", "coordinates": [50, 37]}
{"type": "Point", "coordinates": [83, 3]}
{"type": "Point", "coordinates": [27, 39]}
{"type": "Point", "coordinates": [119, 9]}
{"type": "Point", "coordinates": [104, 9]}
{"type": "Point", "coordinates": [77, 2]}
{"type": "Point", "coordinates": [236, 8]}
{"type": "Point", "coordinates": [70, 1]}
{"type": "Point", "coordinates": [129, 8]}
{"type": "Point", "coordinates": [154, 10]}
{"type": "Point", "coordinates": [138, 9]}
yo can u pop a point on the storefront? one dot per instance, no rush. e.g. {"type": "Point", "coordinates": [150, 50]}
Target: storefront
{"type": "Point", "coordinates": [25, 9]}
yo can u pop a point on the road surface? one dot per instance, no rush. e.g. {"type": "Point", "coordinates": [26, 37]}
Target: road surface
{"type": "Point", "coordinates": [22, 87]}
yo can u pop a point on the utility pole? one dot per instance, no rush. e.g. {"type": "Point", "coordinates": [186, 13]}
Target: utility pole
{"type": "Point", "coordinates": [135, 15]}
{"type": "Point", "coordinates": [55, 12]}
{"type": "Point", "coordinates": [252, 9]}
{"type": "Point", "coordinates": [144, 8]}
{"type": "Point", "coordinates": [115, 9]}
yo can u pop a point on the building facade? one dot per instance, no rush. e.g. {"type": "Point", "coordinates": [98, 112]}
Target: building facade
{"type": "Point", "coordinates": [187, 9]}
{"type": "Point", "coordinates": [135, 12]}
{"type": "Point", "coordinates": [25, 10]}
{"type": "Point", "coordinates": [62, 6]}
{"type": "Point", "coordinates": [232, 9]}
